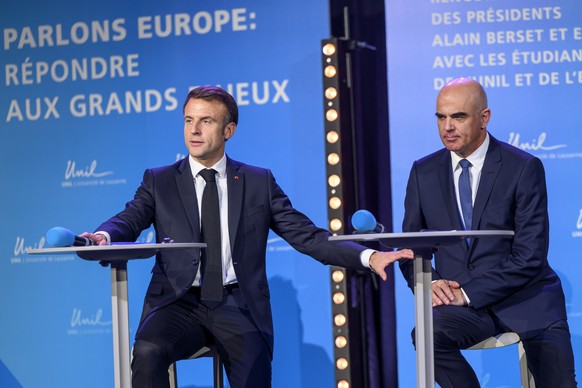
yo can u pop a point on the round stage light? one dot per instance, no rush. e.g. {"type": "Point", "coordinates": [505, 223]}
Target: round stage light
{"type": "Point", "coordinates": [335, 203]}
{"type": "Point", "coordinates": [330, 71]}
{"type": "Point", "coordinates": [341, 363]}
{"type": "Point", "coordinates": [339, 298]}
{"type": "Point", "coordinates": [339, 320]}
{"type": "Point", "coordinates": [335, 224]}
{"type": "Point", "coordinates": [331, 115]}
{"type": "Point", "coordinates": [328, 49]}
{"type": "Point", "coordinates": [332, 137]}
{"type": "Point", "coordinates": [331, 93]}
{"type": "Point", "coordinates": [333, 158]}
{"type": "Point", "coordinates": [337, 276]}
{"type": "Point", "coordinates": [341, 342]}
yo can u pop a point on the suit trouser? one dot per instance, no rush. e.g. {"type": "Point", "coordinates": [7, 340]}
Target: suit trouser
{"type": "Point", "coordinates": [178, 330]}
{"type": "Point", "coordinates": [549, 352]}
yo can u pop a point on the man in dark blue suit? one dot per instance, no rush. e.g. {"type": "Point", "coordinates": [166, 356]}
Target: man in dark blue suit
{"type": "Point", "coordinates": [181, 314]}
{"type": "Point", "coordinates": [487, 286]}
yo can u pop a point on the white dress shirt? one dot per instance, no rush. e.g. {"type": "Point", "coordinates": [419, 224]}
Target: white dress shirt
{"type": "Point", "coordinates": [477, 159]}
{"type": "Point", "coordinates": [228, 275]}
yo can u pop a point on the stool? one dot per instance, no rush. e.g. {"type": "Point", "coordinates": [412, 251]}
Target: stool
{"type": "Point", "coordinates": [216, 366]}
{"type": "Point", "coordinates": [505, 339]}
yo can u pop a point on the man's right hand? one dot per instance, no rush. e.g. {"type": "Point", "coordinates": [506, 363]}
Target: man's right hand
{"type": "Point", "coordinates": [98, 238]}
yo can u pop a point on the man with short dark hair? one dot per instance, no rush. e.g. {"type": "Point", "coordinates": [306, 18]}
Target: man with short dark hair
{"type": "Point", "coordinates": [221, 296]}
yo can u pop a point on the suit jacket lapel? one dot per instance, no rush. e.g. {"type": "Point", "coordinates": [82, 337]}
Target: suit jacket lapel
{"type": "Point", "coordinates": [235, 181]}
{"type": "Point", "coordinates": [446, 181]}
{"type": "Point", "coordinates": [491, 168]}
{"type": "Point", "coordinates": [187, 190]}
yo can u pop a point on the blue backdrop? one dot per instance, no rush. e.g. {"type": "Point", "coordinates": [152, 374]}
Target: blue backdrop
{"type": "Point", "coordinates": [91, 94]}
{"type": "Point", "coordinates": [528, 55]}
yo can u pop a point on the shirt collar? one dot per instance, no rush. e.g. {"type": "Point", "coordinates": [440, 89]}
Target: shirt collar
{"type": "Point", "coordinates": [477, 158]}
{"type": "Point", "coordinates": [219, 166]}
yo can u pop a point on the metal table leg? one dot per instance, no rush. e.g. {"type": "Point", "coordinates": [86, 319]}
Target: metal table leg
{"type": "Point", "coordinates": [120, 317]}
{"type": "Point", "coordinates": [423, 317]}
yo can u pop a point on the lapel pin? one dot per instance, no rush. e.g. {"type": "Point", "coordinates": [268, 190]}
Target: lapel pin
{"type": "Point", "coordinates": [236, 177]}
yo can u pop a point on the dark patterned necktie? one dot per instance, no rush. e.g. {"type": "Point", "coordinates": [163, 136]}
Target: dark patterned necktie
{"type": "Point", "coordinates": [211, 293]}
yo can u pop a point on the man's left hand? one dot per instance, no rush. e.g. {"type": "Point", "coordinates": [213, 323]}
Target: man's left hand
{"type": "Point", "coordinates": [447, 292]}
{"type": "Point", "coordinates": [380, 260]}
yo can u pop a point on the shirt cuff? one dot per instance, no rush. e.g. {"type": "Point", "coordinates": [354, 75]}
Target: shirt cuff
{"type": "Point", "coordinates": [466, 297]}
{"type": "Point", "coordinates": [365, 257]}
{"type": "Point", "coordinates": [104, 234]}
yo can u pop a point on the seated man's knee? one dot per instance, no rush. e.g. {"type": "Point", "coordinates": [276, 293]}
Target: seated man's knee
{"type": "Point", "coordinates": [149, 353]}
{"type": "Point", "coordinates": [440, 337]}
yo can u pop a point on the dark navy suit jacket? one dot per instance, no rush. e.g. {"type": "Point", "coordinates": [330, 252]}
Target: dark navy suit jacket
{"type": "Point", "coordinates": [509, 276]}
{"type": "Point", "coordinates": [167, 199]}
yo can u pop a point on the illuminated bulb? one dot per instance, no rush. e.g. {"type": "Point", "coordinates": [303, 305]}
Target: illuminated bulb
{"type": "Point", "coordinates": [339, 298]}
{"type": "Point", "coordinates": [330, 71]}
{"type": "Point", "coordinates": [333, 158]}
{"type": "Point", "coordinates": [332, 137]}
{"type": "Point", "coordinates": [339, 320]}
{"type": "Point", "coordinates": [331, 115]}
{"type": "Point", "coordinates": [331, 93]}
{"type": "Point", "coordinates": [335, 224]}
{"type": "Point", "coordinates": [337, 276]}
{"type": "Point", "coordinates": [329, 49]}
{"type": "Point", "coordinates": [334, 180]}
{"type": "Point", "coordinates": [341, 342]}
{"type": "Point", "coordinates": [335, 203]}
{"type": "Point", "coordinates": [341, 363]}
{"type": "Point", "coordinates": [343, 384]}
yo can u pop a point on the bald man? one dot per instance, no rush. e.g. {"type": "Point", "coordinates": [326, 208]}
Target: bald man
{"type": "Point", "coordinates": [484, 287]}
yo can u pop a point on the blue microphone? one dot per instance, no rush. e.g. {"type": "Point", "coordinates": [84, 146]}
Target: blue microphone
{"type": "Point", "coordinates": [364, 222]}
{"type": "Point", "coordinates": [61, 237]}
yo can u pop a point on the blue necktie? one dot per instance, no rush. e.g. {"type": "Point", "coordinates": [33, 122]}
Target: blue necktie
{"type": "Point", "coordinates": [465, 193]}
